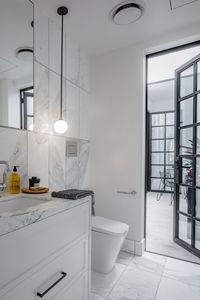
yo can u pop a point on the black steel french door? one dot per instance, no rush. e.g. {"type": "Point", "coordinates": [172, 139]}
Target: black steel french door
{"type": "Point", "coordinates": [187, 156]}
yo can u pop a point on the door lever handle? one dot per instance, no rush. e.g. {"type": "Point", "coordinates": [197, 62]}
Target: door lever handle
{"type": "Point", "coordinates": [177, 163]}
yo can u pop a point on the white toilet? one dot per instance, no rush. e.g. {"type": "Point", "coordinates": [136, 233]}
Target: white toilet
{"type": "Point", "coordinates": [107, 239]}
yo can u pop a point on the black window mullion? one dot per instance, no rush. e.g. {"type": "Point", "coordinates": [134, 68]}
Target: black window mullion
{"type": "Point", "coordinates": [25, 113]}
{"type": "Point", "coordinates": [164, 139]}
{"type": "Point", "coordinates": [165, 154]}
{"type": "Point", "coordinates": [194, 151]}
{"type": "Point", "coordinates": [23, 106]}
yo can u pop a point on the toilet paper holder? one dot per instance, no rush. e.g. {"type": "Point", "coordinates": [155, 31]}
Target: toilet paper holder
{"type": "Point", "coordinates": [133, 192]}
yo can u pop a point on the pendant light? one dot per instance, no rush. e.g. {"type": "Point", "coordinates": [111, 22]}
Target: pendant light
{"type": "Point", "coordinates": [60, 126]}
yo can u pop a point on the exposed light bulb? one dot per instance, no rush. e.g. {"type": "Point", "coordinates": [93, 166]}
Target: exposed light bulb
{"type": "Point", "coordinates": [60, 126]}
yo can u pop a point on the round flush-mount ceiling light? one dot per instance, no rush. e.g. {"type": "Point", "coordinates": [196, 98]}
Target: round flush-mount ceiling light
{"type": "Point", "coordinates": [127, 12]}
{"type": "Point", "coordinates": [24, 54]}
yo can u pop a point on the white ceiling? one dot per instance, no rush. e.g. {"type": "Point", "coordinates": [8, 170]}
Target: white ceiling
{"type": "Point", "coordinates": [178, 3]}
{"type": "Point", "coordinates": [15, 32]}
{"type": "Point", "coordinates": [88, 21]}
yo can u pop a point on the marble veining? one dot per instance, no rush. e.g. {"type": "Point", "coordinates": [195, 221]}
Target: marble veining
{"type": "Point", "coordinates": [56, 163]}
{"type": "Point", "coordinates": [41, 96]}
{"type": "Point", "coordinates": [38, 147]}
{"type": "Point", "coordinates": [72, 172]}
{"type": "Point", "coordinates": [13, 221]}
{"type": "Point", "coordinates": [84, 176]}
{"type": "Point", "coordinates": [150, 277]}
{"type": "Point", "coordinates": [14, 149]}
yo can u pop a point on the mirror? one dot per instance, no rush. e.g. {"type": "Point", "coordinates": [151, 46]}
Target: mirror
{"type": "Point", "coordinates": [16, 64]}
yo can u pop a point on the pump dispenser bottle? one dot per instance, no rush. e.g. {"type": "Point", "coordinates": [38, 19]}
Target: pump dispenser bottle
{"type": "Point", "coordinates": [14, 182]}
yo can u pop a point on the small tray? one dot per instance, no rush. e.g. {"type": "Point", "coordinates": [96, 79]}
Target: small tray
{"type": "Point", "coordinates": [41, 190]}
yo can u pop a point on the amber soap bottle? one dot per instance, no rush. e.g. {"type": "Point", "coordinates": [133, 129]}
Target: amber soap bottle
{"type": "Point", "coordinates": [14, 182]}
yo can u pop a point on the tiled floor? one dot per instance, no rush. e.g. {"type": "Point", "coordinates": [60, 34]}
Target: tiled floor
{"type": "Point", "coordinates": [159, 235]}
{"type": "Point", "coordinates": [150, 277]}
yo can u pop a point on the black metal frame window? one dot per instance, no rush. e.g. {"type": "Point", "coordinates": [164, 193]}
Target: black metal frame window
{"type": "Point", "coordinates": [187, 171]}
{"type": "Point", "coordinates": [161, 152]}
{"type": "Point", "coordinates": [27, 108]}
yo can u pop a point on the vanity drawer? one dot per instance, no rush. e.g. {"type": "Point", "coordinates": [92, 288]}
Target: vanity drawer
{"type": "Point", "coordinates": [78, 290]}
{"type": "Point", "coordinates": [25, 248]}
{"type": "Point", "coordinates": [59, 273]}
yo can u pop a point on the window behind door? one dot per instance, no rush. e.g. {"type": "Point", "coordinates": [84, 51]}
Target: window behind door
{"type": "Point", "coordinates": [27, 108]}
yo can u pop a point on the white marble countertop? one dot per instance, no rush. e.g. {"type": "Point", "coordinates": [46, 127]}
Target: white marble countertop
{"type": "Point", "coordinates": [11, 221]}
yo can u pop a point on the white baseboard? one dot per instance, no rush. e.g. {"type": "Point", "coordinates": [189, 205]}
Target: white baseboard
{"type": "Point", "coordinates": [134, 247]}
{"type": "Point", "coordinates": [128, 246]}
{"type": "Point", "coordinates": [139, 247]}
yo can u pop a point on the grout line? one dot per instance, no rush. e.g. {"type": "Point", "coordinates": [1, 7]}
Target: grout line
{"type": "Point", "coordinates": [160, 279]}
{"type": "Point", "coordinates": [126, 266]}
{"type": "Point", "coordinates": [181, 281]}
{"type": "Point", "coordinates": [64, 77]}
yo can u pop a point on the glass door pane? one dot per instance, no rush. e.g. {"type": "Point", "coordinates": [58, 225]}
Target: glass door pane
{"type": "Point", "coordinates": [186, 82]}
{"type": "Point", "coordinates": [186, 141]}
{"type": "Point", "coordinates": [185, 199]}
{"type": "Point", "coordinates": [187, 171]}
{"type": "Point", "coordinates": [185, 229]}
{"type": "Point", "coordinates": [198, 140]}
{"type": "Point", "coordinates": [186, 112]}
{"type": "Point", "coordinates": [198, 203]}
{"type": "Point", "coordinates": [197, 235]}
{"type": "Point", "coordinates": [198, 171]}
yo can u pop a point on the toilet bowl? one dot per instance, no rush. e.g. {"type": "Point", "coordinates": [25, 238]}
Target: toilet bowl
{"type": "Point", "coordinates": [107, 239]}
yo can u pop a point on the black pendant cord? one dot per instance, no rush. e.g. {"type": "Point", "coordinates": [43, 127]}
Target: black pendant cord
{"type": "Point", "coordinates": [62, 11]}
{"type": "Point", "coordinates": [61, 80]}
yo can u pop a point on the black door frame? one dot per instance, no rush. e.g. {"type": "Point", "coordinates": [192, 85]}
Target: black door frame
{"type": "Point", "coordinates": [154, 54]}
{"type": "Point", "coordinates": [178, 99]}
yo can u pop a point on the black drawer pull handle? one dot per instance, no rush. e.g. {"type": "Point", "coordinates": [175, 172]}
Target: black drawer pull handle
{"type": "Point", "coordinates": [41, 294]}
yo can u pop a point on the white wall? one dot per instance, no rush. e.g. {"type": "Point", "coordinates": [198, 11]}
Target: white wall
{"type": "Point", "coordinates": [117, 143]}
{"type": "Point", "coordinates": [3, 101]}
{"type": "Point", "coordinates": [117, 130]}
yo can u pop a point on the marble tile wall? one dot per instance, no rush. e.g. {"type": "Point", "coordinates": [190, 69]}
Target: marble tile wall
{"type": "Point", "coordinates": [41, 153]}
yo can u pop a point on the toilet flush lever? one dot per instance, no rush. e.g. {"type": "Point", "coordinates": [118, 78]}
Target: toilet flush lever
{"type": "Point", "coordinates": [127, 193]}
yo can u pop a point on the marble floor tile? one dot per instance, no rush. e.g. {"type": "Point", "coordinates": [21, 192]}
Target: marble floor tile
{"type": "Point", "coordinates": [102, 284]}
{"type": "Point", "coordinates": [125, 258]}
{"type": "Point", "coordinates": [149, 262]}
{"type": "Point", "coordinates": [187, 273]}
{"type": "Point", "coordinates": [135, 284]}
{"type": "Point", "coordinates": [96, 297]}
{"type": "Point", "coordinates": [170, 289]}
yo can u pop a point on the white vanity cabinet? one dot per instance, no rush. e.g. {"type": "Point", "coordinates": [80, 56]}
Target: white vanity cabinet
{"type": "Point", "coordinates": [49, 259]}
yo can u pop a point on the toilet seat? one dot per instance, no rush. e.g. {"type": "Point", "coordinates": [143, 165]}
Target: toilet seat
{"type": "Point", "coordinates": [108, 226]}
